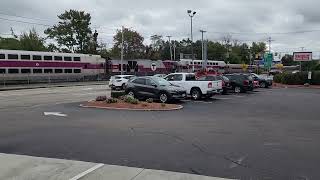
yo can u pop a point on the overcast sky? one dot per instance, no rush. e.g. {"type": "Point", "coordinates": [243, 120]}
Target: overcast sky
{"type": "Point", "coordinates": [250, 20]}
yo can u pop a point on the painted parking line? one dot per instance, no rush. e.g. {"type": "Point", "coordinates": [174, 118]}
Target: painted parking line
{"type": "Point", "coordinates": [87, 172]}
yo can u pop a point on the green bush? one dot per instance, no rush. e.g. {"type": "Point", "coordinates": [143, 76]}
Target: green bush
{"type": "Point", "coordinates": [117, 94]}
{"type": "Point", "coordinates": [297, 78]}
{"type": "Point", "coordinates": [131, 100]}
{"type": "Point", "coordinates": [150, 100]}
{"type": "Point", "coordinates": [111, 100]}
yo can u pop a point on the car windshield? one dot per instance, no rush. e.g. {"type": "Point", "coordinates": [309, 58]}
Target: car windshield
{"type": "Point", "coordinates": [161, 81]}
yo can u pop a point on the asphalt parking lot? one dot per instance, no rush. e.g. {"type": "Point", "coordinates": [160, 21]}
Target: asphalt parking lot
{"type": "Point", "coordinates": [268, 134]}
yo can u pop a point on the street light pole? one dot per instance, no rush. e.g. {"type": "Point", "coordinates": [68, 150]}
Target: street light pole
{"type": "Point", "coordinates": [170, 47]}
{"type": "Point", "coordinates": [122, 46]}
{"type": "Point", "coordinates": [203, 58]}
{"type": "Point", "coordinates": [174, 50]}
{"type": "Point", "coordinates": [191, 15]}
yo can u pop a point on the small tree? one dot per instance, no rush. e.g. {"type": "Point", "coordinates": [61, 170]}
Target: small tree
{"type": "Point", "coordinates": [31, 41]}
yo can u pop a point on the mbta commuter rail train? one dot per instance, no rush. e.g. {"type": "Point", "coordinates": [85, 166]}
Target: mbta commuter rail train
{"type": "Point", "coordinates": [33, 66]}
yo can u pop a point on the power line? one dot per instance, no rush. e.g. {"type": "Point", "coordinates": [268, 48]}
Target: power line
{"type": "Point", "coordinates": [24, 17]}
{"type": "Point", "coordinates": [25, 22]}
{"type": "Point", "coordinates": [264, 33]}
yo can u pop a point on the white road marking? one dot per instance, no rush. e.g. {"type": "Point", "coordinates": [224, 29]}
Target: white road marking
{"type": "Point", "coordinates": [54, 114]}
{"type": "Point", "coordinates": [87, 172]}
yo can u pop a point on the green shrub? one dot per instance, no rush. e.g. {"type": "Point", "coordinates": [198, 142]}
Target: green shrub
{"type": "Point", "coordinates": [297, 78]}
{"type": "Point", "coordinates": [117, 94]}
{"type": "Point", "coordinates": [135, 101]}
{"type": "Point", "coordinates": [150, 100]}
{"type": "Point", "coordinates": [131, 100]}
{"type": "Point", "coordinates": [128, 99]}
{"type": "Point", "coordinates": [111, 100]}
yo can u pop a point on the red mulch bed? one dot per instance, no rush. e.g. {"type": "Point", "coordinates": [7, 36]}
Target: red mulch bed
{"type": "Point", "coordinates": [278, 85]}
{"type": "Point", "coordinates": [124, 105]}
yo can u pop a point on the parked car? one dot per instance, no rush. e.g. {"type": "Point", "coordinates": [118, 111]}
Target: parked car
{"type": "Point", "coordinates": [119, 81]}
{"type": "Point", "coordinates": [154, 87]}
{"type": "Point", "coordinates": [264, 82]}
{"type": "Point", "coordinates": [240, 82]}
{"type": "Point", "coordinates": [224, 79]}
{"type": "Point", "coordinates": [195, 88]}
{"type": "Point", "coordinates": [160, 75]}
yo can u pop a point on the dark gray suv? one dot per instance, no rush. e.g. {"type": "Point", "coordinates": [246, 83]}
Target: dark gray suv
{"type": "Point", "coordinates": [154, 87]}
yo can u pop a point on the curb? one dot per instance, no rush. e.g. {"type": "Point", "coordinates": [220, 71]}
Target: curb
{"type": "Point", "coordinates": [129, 109]}
{"type": "Point", "coordinates": [52, 86]}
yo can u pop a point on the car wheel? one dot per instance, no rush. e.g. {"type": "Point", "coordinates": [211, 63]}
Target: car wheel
{"type": "Point", "coordinates": [130, 93]}
{"type": "Point", "coordinates": [263, 85]}
{"type": "Point", "coordinates": [237, 89]}
{"type": "Point", "coordinates": [195, 94]}
{"type": "Point", "coordinates": [163, 97]}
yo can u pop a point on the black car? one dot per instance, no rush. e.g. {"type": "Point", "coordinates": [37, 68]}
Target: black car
{"type": "Point", "coordinates": [263, 82]}
{"type": "Point", "coordinates": [240, 82]}
{"type": "Point", "coordinates": [154, 87]}
{"type": "Point", "coordinates": [224, 79]}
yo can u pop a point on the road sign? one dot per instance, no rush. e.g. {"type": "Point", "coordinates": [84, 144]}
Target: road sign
{"type": "Point", "coordinates": [302, 56]}
{"type": "Point", "coordinates": [268, 58]}
{"type": "Point", "coordinates": [153, 66]}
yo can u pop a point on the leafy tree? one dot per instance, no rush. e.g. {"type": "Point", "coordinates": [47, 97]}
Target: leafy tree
{"type": "Point", "coordinates": [154, 50]}
{"type": "Point", "coordinates": [287, 60]}
{"type": "Point", "coordinates": [31, 41]}
{"type": "Point", "coordinates": [9, 43]}
{"type": "Point", "coordinates": [133, 44]}
{"type": "Point", "coordinates": [73, 31]}
{"type": "Point", "coordinates": [258, 48]}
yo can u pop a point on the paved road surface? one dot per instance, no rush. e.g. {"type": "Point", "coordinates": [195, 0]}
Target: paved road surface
{"type": "Point", "coordinates": [271, 134]}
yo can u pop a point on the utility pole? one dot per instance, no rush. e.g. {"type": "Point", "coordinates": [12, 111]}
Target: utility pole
{"type": "Point", "coordinates": [174, 50]}
{"type": "Point", "coordinates": [203, 58]}
{"type": "Point", "coordinates": [170, 47]}
{"type": "Point", "coordinates": [191, 15]}
{"type": "Point", "coordinates": [269, 41]}
{"type": "Point", "coordinates": [122, 46]}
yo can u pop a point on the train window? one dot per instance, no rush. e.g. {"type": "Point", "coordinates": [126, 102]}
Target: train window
{"type": "Point", "coordinates": [25, 57]}
{"type": "Point", "coordinates": [68, 71]}
{"type": "Point", "coordinates": [77, 71]}
{"type": "Point", "coordinates": [25, 71]}
{"type": "Point", "coordinates": [67, 58]}
{"type": "Point", "coordinates": [2, 56]}
{"type": "Point", "coordinates": [37, 71]}
{"type": "Point", "coordinates": [58, 71]}
{"type": "Point", "coordinates": [13, 71]}
{"type": "Point", "coordinates": [58, 58]}
{"type": "Point", "coordinates": [36, 57]}
{"type": "Point", "coordinates": [76, 59]}
{"type": "Point", "coordinates": [47, 58]}
{"type": "Point", "coordinates": [47, 71]}
{"type": "Point", "coordinates": [12, 56]}
{"type": "Point", "coordinates": [2, 71]}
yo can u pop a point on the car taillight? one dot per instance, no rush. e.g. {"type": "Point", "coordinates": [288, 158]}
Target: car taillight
{"type": "Point", "coordinates": [210, 85]}
{"type": "Point", "coordinates": [223, 84]}
{"type": "Point", "coordinates": [246, 82]}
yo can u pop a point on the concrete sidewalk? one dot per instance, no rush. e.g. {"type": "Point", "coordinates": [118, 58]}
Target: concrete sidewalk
{"type": "Point", "coordinates": [46, 85]}
{"type": "Point", "coordinates": [20, 167]}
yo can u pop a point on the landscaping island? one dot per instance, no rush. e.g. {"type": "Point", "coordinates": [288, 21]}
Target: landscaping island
{"type": "Point", "coordinates": [129, 103]}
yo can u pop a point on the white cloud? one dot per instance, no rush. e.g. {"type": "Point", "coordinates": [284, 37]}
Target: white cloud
{"type": "Point", "coordinates": [167, 17]}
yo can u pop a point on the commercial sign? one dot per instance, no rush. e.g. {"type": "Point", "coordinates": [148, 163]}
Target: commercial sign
{"type": "Point", "coordinates": [268, 58]}
{"type": "Point", "coordinates": [302, 56]}
{"type": "Point", "coordinates": [153, 67]}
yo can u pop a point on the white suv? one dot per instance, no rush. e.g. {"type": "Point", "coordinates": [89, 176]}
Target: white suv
{"type": "Point", "coordinates": [119, 81]}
